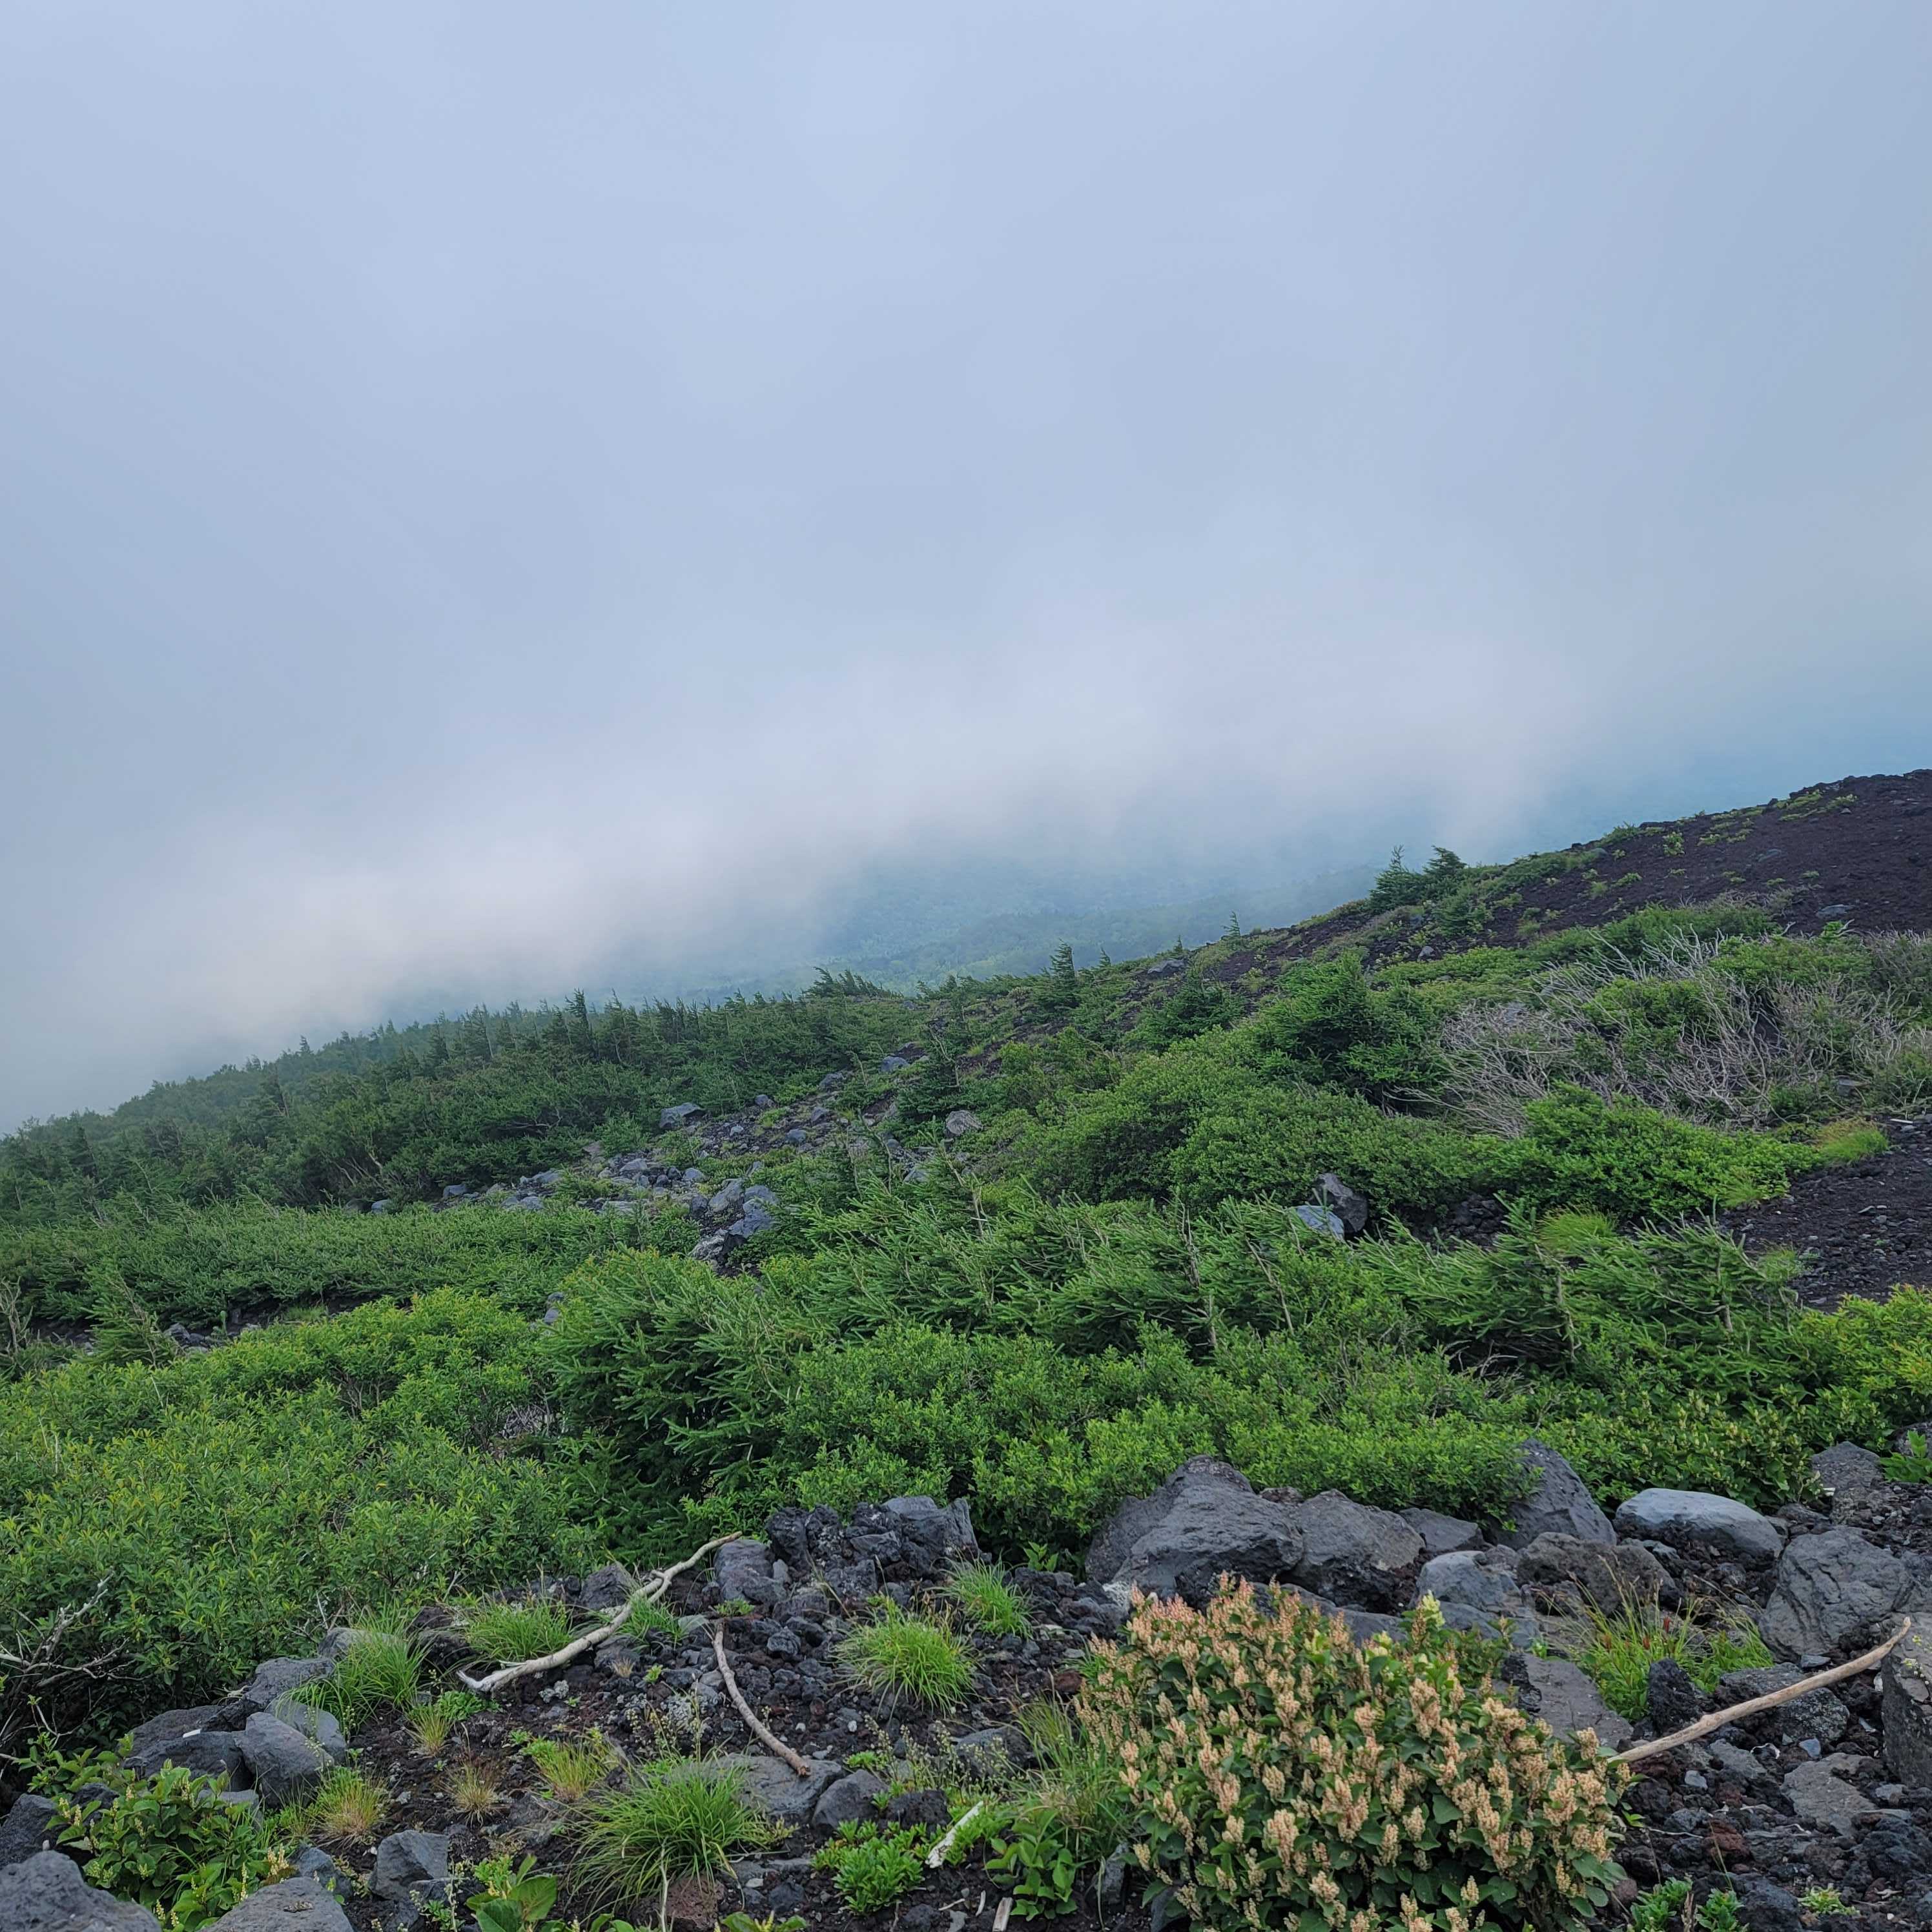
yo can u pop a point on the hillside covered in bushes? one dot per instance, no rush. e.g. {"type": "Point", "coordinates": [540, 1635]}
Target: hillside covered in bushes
{"type": "Point", "coordinates": [1358, 1206]}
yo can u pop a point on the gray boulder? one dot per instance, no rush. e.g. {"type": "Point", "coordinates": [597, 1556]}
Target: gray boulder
{"type": "Point", "coordinates": [1671, 1700]}
{"type": "Point", "coordinates": [680, 1115]}
{"type": "Point", "coordinates": [1830, 1588]}
{"type": "Point", "coordinates": [604, 1589]}
{"type": "Point", "coordinates": [26, 1828]}
{"type": "Point", "coordinates": [1816, 1714]}
{"type": "Point", "coordinates": [946, 1535]}
{"type": "Point", "coordinates": [1821, 1797]}
{"type": "Point", "coordinates": [46, 1893]}
{"type": "Point", "coordinates": [1322, 1221]}
{"type": "Point", "coordinates": [743, 1569]}
{"type": "Point", "coordinates": [1442, 1534]}
{"type": "Point", "coordinates": [1567, 1702]}
{"type": "Point", "coordinates": [279, 1675]}
{"type": "Point", "coordinates": [1609, 1575]}
{"type": "Point", "coordinates": [1356, 1555]}
{"type": "Point", "coordinates": [1350, 1208]}
{"type": "Point", "coordinates": [1691, 1519]}
{"type": "Point", "coordinates": [1204, 1521]}
{"type": "Point", "coordinates": [894, 1063]}
{"type": "Point", "coordinates": [303, 1904]}
{"type": "Point", "coordinates": [1847, 1474]}
{"type": "Point", "coordinates": [1475, 1592]}
{"type": "Point", "coordinates": [776, 1788]}
{"type": "Point", "coordinates": [1906, 1708]}
{"type": "Point", "coordinates": [410, 1863]}
{"type": "Point", "coordinates": [961, 1121]}
{"type": "Point", "coordinates": [1558, 1501]}
{"type": "Point", "coordinates": [318, 1726]}
{"type": "Point", "coordinates": [287, 1767]}
{"type": "Point", "coordinates": [848, 1800]}
{"type": "Point", "coordinates": [200, 1739]}
{"type": "Point", "coordinates": [726, 1200]}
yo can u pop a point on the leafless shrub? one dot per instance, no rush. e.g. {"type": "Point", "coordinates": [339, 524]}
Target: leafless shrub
{"type": "Point", "coordinates": [1735, 1049]}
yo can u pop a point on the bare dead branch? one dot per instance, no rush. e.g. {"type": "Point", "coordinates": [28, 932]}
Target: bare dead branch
{"type": "Point", "coordinates": [1751, 1706]}
{"type": "Point", "coordinates": [751, 1724]}
{"type": "Point", "coordinates": [650, 1592]}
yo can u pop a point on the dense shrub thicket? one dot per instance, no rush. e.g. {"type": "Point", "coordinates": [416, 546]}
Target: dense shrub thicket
{"type": "Point", "coordinates": [1117, 1280]}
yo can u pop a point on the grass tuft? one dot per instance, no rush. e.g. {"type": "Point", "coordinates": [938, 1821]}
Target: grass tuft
{"type": "Point", "coordinates": [1616, 1650]}
{"type": "Point", "coordinates": [350, 1806]}
{"type": "Point", "coordinates": [514, 1632]}
{"type": "Point", "coordinates": [904, 1658]}
{"type": "Point", "coordinates": [381, 1670]}
{"type": "Point", "coordinates": [676, 1818]}
{"type": "Point", "coordinates": [572, 1771]}
{"type": "Point", "coordinates": [987, 1601]}
{"type": "Point", "coordinates": [472, 1790]}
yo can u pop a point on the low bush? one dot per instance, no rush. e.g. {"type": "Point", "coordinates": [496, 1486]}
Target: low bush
{"type": "Point", "coordinates": [1631, 1162]}
{"type": "Point", "coordinates": [872, 1864]}
{"type": "Point", "coordinates": [1280, 1775]}
{"type": "Point", "coordinates": [168, 1528]}
{"type": "Point", "coordinates": [169, 1843]}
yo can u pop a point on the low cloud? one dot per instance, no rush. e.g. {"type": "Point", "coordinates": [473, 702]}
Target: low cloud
{"type": "Point", "coordinates": [490, 503]}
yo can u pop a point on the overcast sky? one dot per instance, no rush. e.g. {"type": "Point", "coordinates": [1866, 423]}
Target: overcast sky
{"type": "Point", "coordinates": [488, 489]}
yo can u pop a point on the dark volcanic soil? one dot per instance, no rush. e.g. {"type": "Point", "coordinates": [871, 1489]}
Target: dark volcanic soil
{"type": "Point", "coordinates": [1858, 851]}
{"type": "Point", "coordinates": [1865, 1228]}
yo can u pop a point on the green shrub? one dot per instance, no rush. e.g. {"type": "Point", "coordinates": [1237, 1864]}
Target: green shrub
{"type": "Point", "coordinates": [668, 1819]}
{"type": "Point", "coordinates": [1331, 1025]}
{"type": "Point", "coordinates": [871, 1865]}
{"type": "Point", "coordinates": [904, 1658]}
{"type": "Point", "coordinates": [1637, 1164]}
{"type": "Point", "coordinates": [1069, 1813]}
{"type": "Point", "coordinates": [1277, 1770]}
{"type": "Point", "coordinates": [1196, 1006]}
{"type": "Point", "coordinates": [176, 1525]}
{"type": "Point", "coordinates": [168, 1843]}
